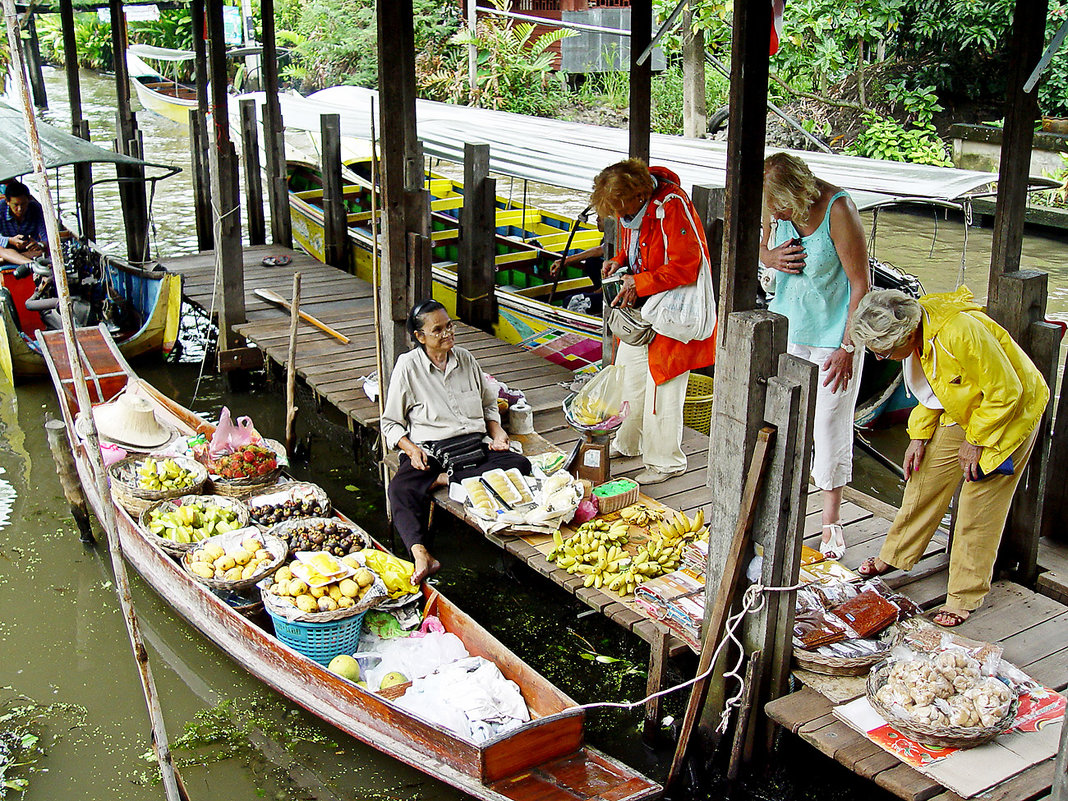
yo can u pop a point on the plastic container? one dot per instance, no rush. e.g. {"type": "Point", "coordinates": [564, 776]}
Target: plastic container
{"type": "Point", "coordinates": [320, 642]}
{"type": "Point", "coordinates": [697, 408]}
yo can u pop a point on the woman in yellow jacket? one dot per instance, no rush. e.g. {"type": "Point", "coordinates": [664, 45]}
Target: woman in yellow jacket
{"type": "Point", "coordinates": [980, 399]}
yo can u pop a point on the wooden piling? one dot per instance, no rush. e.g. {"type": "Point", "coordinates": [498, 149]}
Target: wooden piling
{"type": "Point", "coordinates": [1059, 791]}
{"type": "Point", "coordinates": [79, 126]}
{"type": "Point", "coordinates": [200, 57]}
{"type": "Point", "coordinates": [335, 217]}
{"type": "Point", "coordinates": [273, 142]}
{"type": "Point", "coordinates": [476, 277]}
{"type": "Point", "coordinates": [250, 158]}
{"type": "Point", "coordinates": [291, 368]}
{"type": "Point", "coordinates": [68, 477]}
{"type": "Point", "coordinates": [31, 49]}
{"type": "Point", "coordinates": [200, 173]}
{"type": "Point", "coordinates": [641, 79]}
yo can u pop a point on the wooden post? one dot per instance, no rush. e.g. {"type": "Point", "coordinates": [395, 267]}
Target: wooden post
{"type": "Point", "coordinates": [31, 49]}
{"type": "Point", "coordinates": [1059, 791]}
{"type": "Point", "coordinates": [1028, 39]}
{"type": "Point", "coordinates": [273, 132]}
{"type": "Point", "coordinates": [79, 126]}
{"type": "Point", "coordinates": [745, 160]}
{"type": "Point", "coordinates": [406, 206]}
{"type": "Point", "coordinates": [476, 302]}
{"type": "Point", "coordinates": [654, 682]}
{"type": "Point", "coordinates": [131, 179]}
{"type": "Point", "coordinates": [200, 57]}
{"type": "Point", "coordinates": [641, 78]}
{"type": "Point", "coordinates": [250, 157]}
{"type": "Point", "coordinates": [201, 176]}
{"type": "Point", "coordinates": [694, 101]}
{"type": "Point", "coordinates": [68, 477]}
{"type": "Point", "coordinates": [335, 218]}
{"type": "Point", "coordinates": [227, 208]}
{"type": "Point", "coordinates": [711, 205]}
{"type": "Point", "coordinates": [291, 367]}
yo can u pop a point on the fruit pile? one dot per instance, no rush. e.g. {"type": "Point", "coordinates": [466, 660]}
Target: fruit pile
{"type": "Point", "coordinates": [249, 461]}
{"type": "Point", "coordinates": [332, 536]}
{"type": "Point", "coordinates": [163, 474]}
{"type": "Point", "coordinates": [302, 585]}
{"type": "Point", "coordinates": [244, 561]}
{"type": "Point", "coordinates": [598, 549]}
{"type": "Point", "coordinates": [348, 668]}
{"type": "Point", "coordinates": [270, 513]}
{"type": "Point", "coordinates": [192, 522]}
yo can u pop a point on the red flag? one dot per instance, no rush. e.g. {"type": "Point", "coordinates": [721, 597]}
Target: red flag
{"type": "Point", "coordinates": [777, 8]}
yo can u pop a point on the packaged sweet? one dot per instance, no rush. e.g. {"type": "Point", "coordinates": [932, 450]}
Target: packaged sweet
{"type": "Point", "coordinates": [834, 593]}
{"type": "Point", "coordinates": [809, 556]}
{"type": "Point", "coordinates": [500, 483]}
{"type": "Point", "coordinates": [813, 629]}
{"type": "Point", "coordinates": [520, 486]}
{"type": "Point", "coordinates": [867, 613]}
{"type": "Point", "coordinates": [827, 572]}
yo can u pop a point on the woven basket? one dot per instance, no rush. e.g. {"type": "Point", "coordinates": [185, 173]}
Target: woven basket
{"type": "Point", "coordinates": [302, 488]}
{"type": "Point", "coordinates": [278, 608]}
{"type": "Point", "coordinates": [133, 499]}
{"type": "Point", "coordinates": [178, 548]}
{"type": "Point", "coordinates": [275, 546]}
{"type": "Point", "coordinates": [616, 502]}
{"type": "Point", "coordinates": [697, 408]}
{"type": "Point", "coordinates": [836, 665]}
{"type": "Point", "coordinates": [240, 487]}
{"type": "Point", "coordinates": [936, 736]}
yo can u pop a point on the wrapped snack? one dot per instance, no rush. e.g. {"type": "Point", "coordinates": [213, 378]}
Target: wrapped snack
{"type": "Point", "coordinates": [809, 556]}
{"type": "Point", "coordinates": [813, 629]}
{"type": "Point", "coordinates": [868, 613]}
{"type": "Point", "coordinates": [827, 572]}
{"type": "Point", "coordinates": [502, 485]}
{"type": "Point", "coordinates": [835, 593]}
{"type": "Point", "coordinates": [481, 501]}
{"type": "Point", "coordinates": [520, 485]}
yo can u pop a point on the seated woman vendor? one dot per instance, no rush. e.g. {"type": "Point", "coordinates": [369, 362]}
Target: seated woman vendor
{"type": "Point", "coordinates": [437, 395]}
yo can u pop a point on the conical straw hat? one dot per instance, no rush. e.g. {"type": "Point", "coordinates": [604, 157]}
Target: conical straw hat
{"type": "Point", "coordinates": [129, 420]}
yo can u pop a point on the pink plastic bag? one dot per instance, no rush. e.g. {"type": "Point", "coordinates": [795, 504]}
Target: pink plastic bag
{"type": "Point", "coordinates": [230, 435]}
{"type": "Point", "coordinates": [431, 625]}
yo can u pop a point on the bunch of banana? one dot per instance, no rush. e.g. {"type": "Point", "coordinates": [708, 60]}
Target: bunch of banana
{"type": "Point", "coordinates": [589, 411]}
{"type": "Point", "coordinates": [684, 529]}
{"type": "Point", "coordinates": [661, 556]}
{"type": "Point", "coordinates": [641, 515]}
{"type": "Point", "coordinates": [596, 550]}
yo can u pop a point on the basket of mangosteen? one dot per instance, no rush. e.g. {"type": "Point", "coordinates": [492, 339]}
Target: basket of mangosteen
{"type": "Point", "coordinates": [332, 535]}
{"type": "Point", "coordinates": [290, 501]}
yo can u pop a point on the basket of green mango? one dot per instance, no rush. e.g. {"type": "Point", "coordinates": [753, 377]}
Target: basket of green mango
{"type": "Point", "coordinates": [179, 524]}
{"type": "Point", "coordinates": [137, 482]}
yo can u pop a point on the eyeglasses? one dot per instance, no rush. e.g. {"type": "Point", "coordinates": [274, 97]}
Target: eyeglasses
{"type": "Point", "coordinates": [438, 333]}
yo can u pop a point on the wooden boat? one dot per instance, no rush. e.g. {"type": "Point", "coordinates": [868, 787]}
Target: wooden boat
{"type": "Point", "coordinates": [528, 241]}
{"type": "Point", "coordinates": [545, 758]}
{"type": "Point", "coordinates": [144, 308]}
{"type": "Point", "coordinates": [156, 91]}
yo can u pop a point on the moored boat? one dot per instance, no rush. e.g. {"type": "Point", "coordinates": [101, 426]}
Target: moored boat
{"type": "Point", "coordinates": [544, 758]}
{"type": "Point", "coordinates": [156, 91]}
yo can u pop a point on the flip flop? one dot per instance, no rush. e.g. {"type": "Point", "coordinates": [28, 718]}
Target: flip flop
{"type": "Point", "coordinates": [954, 618]}
{"type": "Point", "coordinates": [868, 569]}
{"type": "Point", "coordinates": [276, 261]}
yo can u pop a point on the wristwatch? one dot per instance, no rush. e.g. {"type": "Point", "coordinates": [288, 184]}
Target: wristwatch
{"type": "Point", "coordinates": [848, 348]}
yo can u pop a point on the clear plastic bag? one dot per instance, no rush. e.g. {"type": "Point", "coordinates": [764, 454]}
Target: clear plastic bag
{"type": "Point", "coordinates": [231, 435]}
{"type": "Point", "coordinates": [600, 398]}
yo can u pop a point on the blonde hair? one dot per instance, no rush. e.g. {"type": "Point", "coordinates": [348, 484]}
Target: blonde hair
{"type": "Point", "coordinates": [789, 185]}
{"type": "Point", "coordinates": [617, 185]}
{"type": "Point", "coordinates": [885, 319]}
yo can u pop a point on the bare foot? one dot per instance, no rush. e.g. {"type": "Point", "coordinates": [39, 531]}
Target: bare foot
{"type": "Point", "coordinates": [441, 481]}
{"type": "Point", "coordinates": [425, 565]}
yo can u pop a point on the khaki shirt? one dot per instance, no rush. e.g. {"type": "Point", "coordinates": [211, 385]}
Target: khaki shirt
{"type": "Point", "coordinates": [429, 404]}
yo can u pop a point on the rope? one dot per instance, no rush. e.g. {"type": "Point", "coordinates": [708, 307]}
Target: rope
{"type": "Point", "coordinates": [967, 209]}
{"type": "Point", "coordinates": [753, 601]}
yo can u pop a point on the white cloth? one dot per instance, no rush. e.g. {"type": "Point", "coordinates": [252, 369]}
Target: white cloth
{"type": "Point", "coordinates": [428, 404]}
{"type": "Point", "coordinates": [832, 429]}
{"type": "Point", "coordinates": [917, 384]}
{"type": "Point", "coordinates": [655, 436]}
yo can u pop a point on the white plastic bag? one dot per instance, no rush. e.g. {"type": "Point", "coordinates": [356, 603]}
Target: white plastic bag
{"type": "Point", "coordinates": [686, 312]}
{"type": "Point", "coordinates": [600, 398]}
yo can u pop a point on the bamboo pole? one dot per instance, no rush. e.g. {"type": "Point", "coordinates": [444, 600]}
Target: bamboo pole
{"type": "Point", "coordinates": [376, 278]}
{"type": "Point", "coordinates": [291, 367]}
{"type": "Point", "coordinates": [59, 274]}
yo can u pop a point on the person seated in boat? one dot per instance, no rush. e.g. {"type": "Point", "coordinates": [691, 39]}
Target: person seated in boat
{"type": "Point", "coordinates": [814, 241]}
{"type": "Point", "coordinates": [590, 261]}
{"type": "Point", "coordinates": [661, 246]}
{"type": "Point", "coordinates": [22, 225]}
{"type": "Point", "coordinates": [980, 402]}
{"type": "Point", "coordinates": [439, 402]}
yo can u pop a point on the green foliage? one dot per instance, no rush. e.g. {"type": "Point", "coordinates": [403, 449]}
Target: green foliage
{"type": "Point", "coordinates": [1058, 196]}
{"type": "Point", "coordinates": [885, 138]}
{"type": "Point", "coordinates": [667, 89]}
{"type": "Point", "coordinates": [919, 104]}
{"type": "Point", "coordinates": [93, 39]}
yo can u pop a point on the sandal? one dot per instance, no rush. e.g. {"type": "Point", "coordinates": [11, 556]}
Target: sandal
{"type": "Point", "coordinates": [953, 619]}
{"type": "Point", "coordinates": [868, 569]}
{"type": "Point", "coordinates": [835, 547]}
{"type": "Point", "coordinates": [277, 261]}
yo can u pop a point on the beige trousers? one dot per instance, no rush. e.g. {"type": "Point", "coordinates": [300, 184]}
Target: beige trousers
{"type": "Point", "coordinates": [653, 429]}
{"type": "Point", "coordinates": [981, 514]}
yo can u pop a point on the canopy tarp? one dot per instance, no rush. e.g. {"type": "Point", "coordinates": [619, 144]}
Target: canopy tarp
{"type": "Point", "coordinates": [569, 155]}
{"type": "Point", "coordinates": [58, 148]}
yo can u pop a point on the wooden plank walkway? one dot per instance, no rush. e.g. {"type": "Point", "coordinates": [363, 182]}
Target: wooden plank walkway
{"type": "Point", "coordinates": [1030, 627]}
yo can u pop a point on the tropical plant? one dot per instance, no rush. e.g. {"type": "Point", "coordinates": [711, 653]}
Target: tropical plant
{"type": "Point", "coordinates": [885, 138]}
{"type": "Point", "coordinates": [1058, 196]}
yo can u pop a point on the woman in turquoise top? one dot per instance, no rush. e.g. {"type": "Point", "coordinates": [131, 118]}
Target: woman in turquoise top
{"type": "Point", "coordinates": [813, 238]}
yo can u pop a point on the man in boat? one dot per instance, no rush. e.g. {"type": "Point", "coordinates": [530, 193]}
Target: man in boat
{"type": "Point", "coordinates": [22, 225]}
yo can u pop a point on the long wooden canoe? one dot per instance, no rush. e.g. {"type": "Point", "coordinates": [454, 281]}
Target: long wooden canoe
{"type": "Point", "coordinates": [156, 92]}
{"type": "Point", "coordinates": [543, 759]}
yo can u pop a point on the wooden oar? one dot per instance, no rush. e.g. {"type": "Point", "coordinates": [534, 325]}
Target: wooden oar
{"type": "Point", "coordinates": [273, 297]}
{"type": "Point", "coordinates": [732, 570]}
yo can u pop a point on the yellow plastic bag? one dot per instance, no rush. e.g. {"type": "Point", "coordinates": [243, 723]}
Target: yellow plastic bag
{"type": "Point", "coordinates": [396, 573]}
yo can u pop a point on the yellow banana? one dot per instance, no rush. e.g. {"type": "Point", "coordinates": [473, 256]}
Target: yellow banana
{"type": "Point", "coordinates": [698, 520]}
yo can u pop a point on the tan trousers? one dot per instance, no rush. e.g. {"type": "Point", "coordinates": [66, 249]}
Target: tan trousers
{"type": "Point", "coordinates": [981, 514]}
{"type": "Point", "coordinates": [653, 429]}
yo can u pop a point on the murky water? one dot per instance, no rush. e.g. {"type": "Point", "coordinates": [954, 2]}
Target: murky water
{"type": "Point", "coordinates": [67, 665]}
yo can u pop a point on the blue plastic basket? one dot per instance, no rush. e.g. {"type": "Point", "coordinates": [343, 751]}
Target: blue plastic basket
{"type": "Point", "coordinates": [320, 641]}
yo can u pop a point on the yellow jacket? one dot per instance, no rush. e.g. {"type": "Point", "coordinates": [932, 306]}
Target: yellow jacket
{"type": "Point", "coordinates": [985, 381]}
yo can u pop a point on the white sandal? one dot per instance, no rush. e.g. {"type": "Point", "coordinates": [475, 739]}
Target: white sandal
{"type": "Point", "coordinates": [835, 547]}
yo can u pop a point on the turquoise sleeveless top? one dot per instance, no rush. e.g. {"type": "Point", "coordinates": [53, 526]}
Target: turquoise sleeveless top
{"type": "Point", "coordinates": [815, 301]}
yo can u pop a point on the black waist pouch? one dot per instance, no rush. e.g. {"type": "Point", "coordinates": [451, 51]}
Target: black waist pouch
{"type": "Point", "coordinates": [458, 453]}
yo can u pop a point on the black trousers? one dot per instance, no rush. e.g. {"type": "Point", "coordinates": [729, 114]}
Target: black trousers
{"type": "Point", "coordinates": [409, 491]}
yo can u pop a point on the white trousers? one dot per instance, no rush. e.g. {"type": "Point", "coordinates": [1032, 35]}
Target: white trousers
{"type": "Point", "coordinates": [832, 430]}
{"type": "Point", "coordinates": [653, 429]}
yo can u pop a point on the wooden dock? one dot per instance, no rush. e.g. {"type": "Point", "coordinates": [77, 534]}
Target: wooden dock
{"type": "Point", "coordinates": [1031, 628]}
